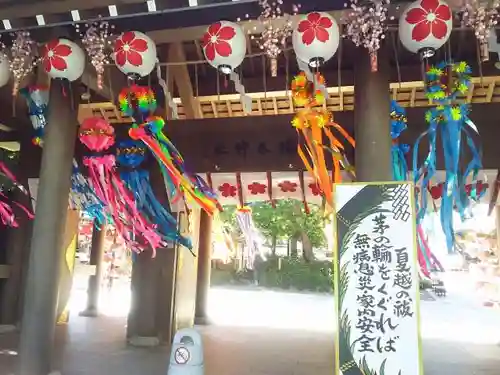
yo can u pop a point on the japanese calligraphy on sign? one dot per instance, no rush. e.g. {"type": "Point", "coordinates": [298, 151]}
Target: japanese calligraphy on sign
{"type": "Point", "coordinates": [376, 282]}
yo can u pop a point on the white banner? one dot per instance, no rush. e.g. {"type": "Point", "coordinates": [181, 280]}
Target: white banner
{"type": "Point", "coordinates": [376, 280]}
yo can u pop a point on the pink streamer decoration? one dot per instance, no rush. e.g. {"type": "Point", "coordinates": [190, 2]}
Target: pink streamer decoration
{"type": "Point", "coordinates": [7, 214]}
{"type": "Point", "coordinates": [129, 222]}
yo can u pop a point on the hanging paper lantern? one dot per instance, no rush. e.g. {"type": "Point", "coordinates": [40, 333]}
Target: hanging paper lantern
{"type": "Point", "coordinates": [61, 58]}
{"type": "Point", "coordinates": [37, 99]}
{"type": "Point", "coordinates": [425, 26]}
{"type": "Point", "coordinates": [134, 54]}
{"type": "Point", "coordinates": [224, 46]}
{"type": "Point", "coordinates": [315, 38]}
{"type": "Point", "coordinates": [4, 71]}
{"type": "Point", "coordinates": [97, 134]}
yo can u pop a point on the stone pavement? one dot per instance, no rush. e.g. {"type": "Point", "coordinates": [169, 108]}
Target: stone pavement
{"type": "Point", "coordinates": [460, 338]}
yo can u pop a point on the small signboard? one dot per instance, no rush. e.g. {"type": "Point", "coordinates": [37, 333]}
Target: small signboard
{"type": "Point", "coordinates": [376, 280]}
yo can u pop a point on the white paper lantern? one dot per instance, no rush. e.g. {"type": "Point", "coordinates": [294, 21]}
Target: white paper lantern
{"type": "Point", "coordinates": [315, 38]}
{"type": "Point", "coordinates": [4, 71]}
{"type": "Point", "coordinates": [224, 46]}
{"type": "Point", "coordinates": [135, 53]}
{"type": "Point", "coordinates": [425, 26]}
{"type": "Point", "coordinates": [61, 58]}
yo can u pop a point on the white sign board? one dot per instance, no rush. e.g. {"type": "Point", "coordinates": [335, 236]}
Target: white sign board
{"type": "Point", "coordinates": [376, 280]}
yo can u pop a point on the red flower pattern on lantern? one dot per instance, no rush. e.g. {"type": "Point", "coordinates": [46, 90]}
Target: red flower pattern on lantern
{"type": "Point", "coordinates": [52, 55]}
{"type": "Point", "coordinates": [429, 18]}
{"type": "Point", "coordinates": [315, 190]}
{"type": "Point", "coordinates": [315, 27]}
{"type": "Point", "coordinates": [215, 41]}
{"type": "Point", "coordinates": [257, 188]}
{"type": "Point", "coordinates": [128, 48]}
{"type": "Point", "coordinates": [288, 187]}
{"type": "Point", "coordinates": [227, 190]}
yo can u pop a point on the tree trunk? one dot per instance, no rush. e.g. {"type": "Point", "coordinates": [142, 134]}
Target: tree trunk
{"type": "Point", "coordinates": [293, 247]}
{"type": "Point", "coordinates": [274, 241]}
{"type": "Point", "coordinates": [288, 250]}
{"type": "Point", "coordinates": [307, 248]}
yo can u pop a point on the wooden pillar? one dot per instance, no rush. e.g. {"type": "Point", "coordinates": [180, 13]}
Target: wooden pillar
{"type": "Point", "coordinates": [40, 303]}
{"type": "Point", "coordinates": [96, 261]}
{"type": "Point", "coordinates": [152, 286]}
{"type": "Point", "coordinates": [204, 267]}
{"type": "Point", "coordinates": [372, 128]}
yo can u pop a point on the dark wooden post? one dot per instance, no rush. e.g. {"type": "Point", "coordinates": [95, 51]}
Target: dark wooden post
{"type": "Point", "coordinates": [204, 268]}
{"type": "Point", "coordinates": [372, 128]}
{"type": "Point", "coordinates": [39, 313]}
{"type": "Point", "coordinates": [96, 259]}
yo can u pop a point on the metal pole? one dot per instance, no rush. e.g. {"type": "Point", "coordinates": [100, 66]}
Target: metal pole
{"type": "Point", "coordinates": [96, 255]}
{"type": "Point", "coordinates": [39, 313]}
{"type": "Point", "coordinates": [204, 267]}
{"type": "Point", "coordinates": [372, 129]}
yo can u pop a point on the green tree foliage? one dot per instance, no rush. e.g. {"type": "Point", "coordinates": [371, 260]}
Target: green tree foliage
{"type": "Point", "coordinates": [287, 221]}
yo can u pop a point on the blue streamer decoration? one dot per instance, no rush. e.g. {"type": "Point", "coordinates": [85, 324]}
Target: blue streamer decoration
{"type": "Point", "coordinates": [37, 99]}
{"type": "Point", "coordinates": [83, 197]}
{"type": "Point", "coordinates": [450, 120]}
{"type": "Point", "coordinates": [398, 125]}
{"type": "Point", "coordinates": [131, 154]}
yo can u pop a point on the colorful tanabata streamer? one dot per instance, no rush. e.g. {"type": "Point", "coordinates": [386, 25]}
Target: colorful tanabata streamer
{"type": "Point", "coordinates": [312, 124]}
{"type": "Point", "coordinates": [138, 102]}
{"type": "Point", "coordinates": [137, 232]}
{"type": "Point", "coordinates": [398, 125]}
{"type": "Point", "coordinates": [83, 198]}
{"type": "Point", "coordinates": [7, 214]}
{"type": "Point", "coordinates": [250, 235]}
{"type": "Point", "coordinates": [444, 83]}
{"type": "Point", "coordinates": [37, 98]}
{"type": "Point", "coordinates": [131, 155]}
{"type": "Point", "coordinates": [178, 180]}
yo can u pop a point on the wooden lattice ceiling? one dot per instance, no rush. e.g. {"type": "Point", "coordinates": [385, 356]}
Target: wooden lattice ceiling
{"type": "Point", "coordinates": [408, 94]}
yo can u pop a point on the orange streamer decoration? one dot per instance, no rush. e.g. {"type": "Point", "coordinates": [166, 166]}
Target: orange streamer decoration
{"type": "Point", "coordinates": [314, 123]}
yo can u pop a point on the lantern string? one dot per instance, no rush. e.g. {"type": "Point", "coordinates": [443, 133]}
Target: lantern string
{"type": "Point", "coordinates": [287, 72]}
{"type": "Point", "coordinates": [339, 72]}
{"type": "Point", "coordinates": [396, 57]}
{"type": "Point", "coordinates": [480, 67]}
{"type": "Point", "coordinates": [264, 79]}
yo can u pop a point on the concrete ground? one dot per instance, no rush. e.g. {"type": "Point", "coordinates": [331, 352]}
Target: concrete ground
{"type": "Point", "coordinates": [271, 333]}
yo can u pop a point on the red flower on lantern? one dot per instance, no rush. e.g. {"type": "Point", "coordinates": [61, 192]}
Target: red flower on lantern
{"type": "Point", "coordinates": [315, 27]}
{"type": "Point", "coordinates": [215, 41]}
{"type": "Point", "coordinates": [429, 18]}
{"type": "Point", "coordinates": [288, 187]}
{"type": "Point", "coordinates": [52, 55]}
{"type": "Point", "coordinates": [257, 188]}
{"type": "Point", "coordinates": [315, 190]}
{"type": "Point", "coordinates": [227, 190]}
{"type": "Point", "coordinates": [127, 49]}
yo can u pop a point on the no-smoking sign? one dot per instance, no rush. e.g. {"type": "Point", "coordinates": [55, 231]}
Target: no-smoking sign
{"type": "Point", "coordinates": [182, 356]}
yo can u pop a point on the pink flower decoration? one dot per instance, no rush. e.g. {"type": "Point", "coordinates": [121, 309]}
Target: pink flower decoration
{"type": "Point", "coordinates": [128, 48]}
{"type": "Point", "coordinates": [429, 18]}
{"type": "Point", "coordinates": [215, 41]}
{"type": "Point", "coordinates": [257, 188]}
{"type": "Point", "coordinates": [52, 55]}
{"type": "Point", "coordinates": [315, 27]}
{"type": "Point", "coordinates": [227, 190]}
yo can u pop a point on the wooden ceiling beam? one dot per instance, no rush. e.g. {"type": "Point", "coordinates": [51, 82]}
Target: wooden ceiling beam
{"type": "Point", "coordinates": [180, 74]}
{"type": "Point", "coordinates": [16, 10]}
